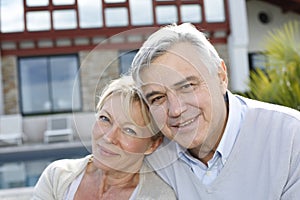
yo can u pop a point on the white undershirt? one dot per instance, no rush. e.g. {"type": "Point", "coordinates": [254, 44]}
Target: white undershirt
{"type": "Point", "coordinates": [70, 193]}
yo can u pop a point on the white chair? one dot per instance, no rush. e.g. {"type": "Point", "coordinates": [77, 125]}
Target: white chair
{"type": "Point", "coordinates": [11, 129]}
{"type": "Point", "coordinates": [58, 128]}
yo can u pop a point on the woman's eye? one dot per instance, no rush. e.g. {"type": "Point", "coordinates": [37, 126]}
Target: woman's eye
{"type": "Point", "coordinates": [129, 131]}
{"type": "Point", "coordinates": [103, 118]}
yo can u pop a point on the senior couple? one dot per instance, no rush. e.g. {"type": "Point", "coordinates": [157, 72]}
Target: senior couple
{"type": "Point", "coordinates": [173, 130]}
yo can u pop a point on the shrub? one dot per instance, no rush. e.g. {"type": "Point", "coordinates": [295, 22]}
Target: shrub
{"type": "Point", "coordinates": [279, 83]}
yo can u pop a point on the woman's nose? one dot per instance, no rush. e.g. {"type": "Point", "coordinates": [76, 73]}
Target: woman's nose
{"type": "Point", "coordinates": [111, 136]}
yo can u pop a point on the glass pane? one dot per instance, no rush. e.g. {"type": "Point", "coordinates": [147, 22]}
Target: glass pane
{"type": "Point", "coordinates": [191, 13]}
{"type": "Point", "coordinates": [214, 10]}
{"type": "Point", "coordinates": [166, 14]}
{"type": "Point", "coordinates": [126, 59]}
{"type": "Point", "coordinates": [38, 21]}
{"type": "Point", "coordinates": [37, 3]}
{"type": "Point", "coordinates": [116, 17]}
{"type": "Point", "coordinates": [34, 85]}
{"type": "Point", "coordinates": [11, 21]}
{"type": "Point", "coordinates": [141, 12]}
{"type": "Point", "coordinates": [90, 13]}
{"type": "Point", "coordinates": [64, 19]}
{"type": "Point", "coordinates": [63, 74]}
{"type": "Point", "coordinates": [63, 2]}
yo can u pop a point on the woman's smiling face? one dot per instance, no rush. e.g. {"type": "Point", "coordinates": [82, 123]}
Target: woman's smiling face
{"type": "Point", "coordinates": [120, 139]}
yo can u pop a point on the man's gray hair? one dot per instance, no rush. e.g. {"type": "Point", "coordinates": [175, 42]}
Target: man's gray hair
{"type": "Point", "coordinates": [163, 39]}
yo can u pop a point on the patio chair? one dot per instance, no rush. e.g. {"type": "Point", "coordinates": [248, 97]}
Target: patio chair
{"type": "Point", "coordinates": [58, 128]}
{"type": "Point", "coordinates": [11, 129]}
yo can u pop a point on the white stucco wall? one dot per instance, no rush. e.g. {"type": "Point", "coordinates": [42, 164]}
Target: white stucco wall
{"type": "Point", "coordinates": [237, 46]}
{"type": "Point", "coordinates": [257, 30]}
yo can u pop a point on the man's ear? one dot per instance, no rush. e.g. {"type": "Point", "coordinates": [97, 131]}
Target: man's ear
{"type": "Point", "coordinates": [154, 145]}
{"type": "Point", "coordinates": [222, 73]}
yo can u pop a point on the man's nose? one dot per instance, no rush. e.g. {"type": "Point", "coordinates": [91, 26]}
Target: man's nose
{"type": "Point", "coordinates": [176, 105]}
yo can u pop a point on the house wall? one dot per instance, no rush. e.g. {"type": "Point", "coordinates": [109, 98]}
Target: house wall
{"type": "Point", "coordinates": [258, 31]}
{"type": "Point", "coordinates": [10, 84]}
{"type": "Point", "coordinates": [97, 68]}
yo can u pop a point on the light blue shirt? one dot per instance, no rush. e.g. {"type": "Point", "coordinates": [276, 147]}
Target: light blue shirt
{"type": "Point", "coordinates": [257, 158]}
{"type": "Point", "coordinates": [207, 174]}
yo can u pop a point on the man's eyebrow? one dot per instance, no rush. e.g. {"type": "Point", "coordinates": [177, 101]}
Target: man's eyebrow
{"type": "Point", "coordinates": [187, 79]}
{"type": "Point", "coordinates": [152, 93]}
{"type": "Point", "coordinates": [184, 81]}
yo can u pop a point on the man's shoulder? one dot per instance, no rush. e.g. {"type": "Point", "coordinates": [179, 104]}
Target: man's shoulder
{"type": "Point", "coordinates": [264, 107]}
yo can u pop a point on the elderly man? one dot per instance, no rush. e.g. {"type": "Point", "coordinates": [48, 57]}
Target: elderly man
{"type": "Point", "coordinates": [218, 145]}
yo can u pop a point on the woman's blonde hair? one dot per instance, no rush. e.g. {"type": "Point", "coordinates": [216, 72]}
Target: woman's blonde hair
{"type": "Point", "coordinates": [126, 88]}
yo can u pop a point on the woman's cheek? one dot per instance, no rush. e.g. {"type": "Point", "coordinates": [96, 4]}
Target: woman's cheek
{"type": "Point", "coordinates": [159, 114]}
{"type": "Point", "coordinates": [97, 131]}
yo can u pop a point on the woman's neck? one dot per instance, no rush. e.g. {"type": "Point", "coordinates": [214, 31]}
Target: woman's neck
{"type": "Point", "coordinates": [113, 178]}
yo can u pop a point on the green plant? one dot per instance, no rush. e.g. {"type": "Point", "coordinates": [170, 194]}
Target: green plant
{"type": "Point", "coordinates": [280, 82]}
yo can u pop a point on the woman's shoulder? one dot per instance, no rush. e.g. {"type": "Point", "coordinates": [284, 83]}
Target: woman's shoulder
{"type": "Point", "coordinates": [152, 186]}
{"type": "Point", "coordinates": [69, 165]}
{"type": "Point", "coordinates": [57, 176]}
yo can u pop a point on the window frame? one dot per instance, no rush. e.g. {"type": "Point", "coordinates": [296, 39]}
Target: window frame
{"type": "Point", "coordinates": [124, 53]}
{"type": "Point", "coordinates": [49, 81]}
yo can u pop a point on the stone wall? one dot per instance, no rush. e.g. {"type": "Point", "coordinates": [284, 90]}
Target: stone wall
{"type": "Point", "coordinates": [96, 70]}
{"type": "Point", "coordinates": [10, 85]}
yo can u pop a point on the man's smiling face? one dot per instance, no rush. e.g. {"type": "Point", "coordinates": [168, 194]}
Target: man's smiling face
{"type": "Point", "coordinates": [185, 99]}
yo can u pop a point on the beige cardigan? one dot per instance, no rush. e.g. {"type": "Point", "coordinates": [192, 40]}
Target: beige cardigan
{"type": "Point", "coordinates": [57, 177]}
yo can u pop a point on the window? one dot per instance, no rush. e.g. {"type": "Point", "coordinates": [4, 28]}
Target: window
{"type": "Point", "coordinates": [49, 84]}
{"type": "Point", "coordinates": [141, 12]}
{"type": "Point", "coordinates": [116, 17]}
{"type": "Point", "coordinates": [166, 14]}
{"type": "Point", "coordinates": [90, 13]}
{"type": "Point", "coordinates": [11, 21]}
{"type": "Point", "coordinates": [191, 13]}
{"type": "Point", "coordinates": [38, 21]}
{"type": "Point", "coordinates": [64, 19]}
{"type": "Point", "coordinates": [258, 60]}
{"type": "Point", "coordinates": [126, 58]}
{"type": "Point", "coordinates": [214, 11]}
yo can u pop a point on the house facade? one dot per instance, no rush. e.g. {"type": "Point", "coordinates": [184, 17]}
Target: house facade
{"type": "Point", "coordinates": [56, 56]}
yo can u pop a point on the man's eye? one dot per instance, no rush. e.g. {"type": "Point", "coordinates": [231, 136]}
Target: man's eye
{"type": "Point", "coordinates": [188, 87]}
{"type": "Point", "coordinates": [129, 131]}
{"type": "Point", "coordinates": [156, 100]}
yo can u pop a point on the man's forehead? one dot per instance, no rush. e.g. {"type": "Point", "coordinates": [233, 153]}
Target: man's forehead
{"type": "Point", "coordinates": [152, 86]}
{"type": "Point", "coordinates": [161, 76]}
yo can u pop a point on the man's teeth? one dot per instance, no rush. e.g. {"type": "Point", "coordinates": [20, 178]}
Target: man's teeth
{"type": "Point", "coordinates": [186, 123]}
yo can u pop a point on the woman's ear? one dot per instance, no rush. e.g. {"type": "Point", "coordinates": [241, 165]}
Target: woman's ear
{"type": "Point", "coordinates": [153, 146]}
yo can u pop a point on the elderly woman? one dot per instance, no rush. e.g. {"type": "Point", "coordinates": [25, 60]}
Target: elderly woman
{"type": "Point", "coordinates": [122, 135]}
